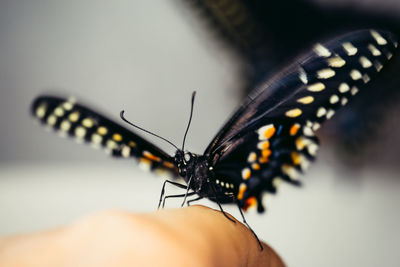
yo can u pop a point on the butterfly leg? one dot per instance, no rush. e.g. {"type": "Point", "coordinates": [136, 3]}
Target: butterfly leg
{"type": "Point", "coordinates": [193, 200]}
{"type": "Point", "coordinates": [248, 226]}
{"type": "Point", "coordinates": [174, 196]}
{"type": "Point", "coordinates": [187, 191]}
{"type": "Point", "coordinates": [219, 204]}
{"type": "Point", "coordinates": [163, 190]}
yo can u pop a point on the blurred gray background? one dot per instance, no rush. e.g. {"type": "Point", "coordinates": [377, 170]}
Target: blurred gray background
{"type": "Point", "coordinates": [147, 57]}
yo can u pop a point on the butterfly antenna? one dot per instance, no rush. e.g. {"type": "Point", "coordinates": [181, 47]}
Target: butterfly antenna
{"type": "Point", "coordinates": [190, 120]}
{"type": "Point", "coordinates": [144, 130]}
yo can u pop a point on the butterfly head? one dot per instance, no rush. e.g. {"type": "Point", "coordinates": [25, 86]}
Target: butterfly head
{"type": "Point", "coordinates": [184, 161]}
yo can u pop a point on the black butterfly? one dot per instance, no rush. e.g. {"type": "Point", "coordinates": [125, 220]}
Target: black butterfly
{"type": "Point", "coordinates": [269, 138]}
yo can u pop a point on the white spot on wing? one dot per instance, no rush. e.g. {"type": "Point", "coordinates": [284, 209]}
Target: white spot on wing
{"type": "Point", "coordinates": [336, 62]}
{"type": "Point", "coordinates": [378, 38]}
{"type": "Point", "coordinates": [330, 113]}
{"type": "Point", "coordinates": [343, 88]}
{"type": "Point", "coordinates": [354, 90]}
{"type": "Point", "coordinates": [366, 78]}
{"type": "Point", "coordinates": [378, 65]}
{"type": "Point", "coordinates": [303, 76]}
{"type": "Point", "coordinates": [65, 125]}
{"type": "Point", "coordinates": [316, 87]}
{"type": "Point", "coordinates": [365, 62]}
{"type": "Point", "coordinates": [355, 74]}
{"type": "Point", "coordinates": [374, 51]}
{"type": "Point", "coordinates": [51, 120]}
{"type": "Point", "coordinates": [126, 151]}
{"type": "Point", "coordinates": [321, 112]}
{"type": "Point", "coordinates": [321, 50]}
{"type": "Point", "coordinates": [349, 48]}
{"type": "Point", "coordinates": [333, 99]}
{"type": "Point", "coordinates": [325, 73]}
{"type": "Point", "coordinates": [80, 132]}
{"type": "Point", "coordinates": [41, 111]}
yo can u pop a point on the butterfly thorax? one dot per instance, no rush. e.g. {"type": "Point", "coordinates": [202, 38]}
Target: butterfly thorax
{"type": "Point", "coordinates": [194, 170]}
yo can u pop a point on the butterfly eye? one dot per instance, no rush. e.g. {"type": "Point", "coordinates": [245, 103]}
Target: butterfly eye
{"type": "Point", "coordinates": [188, 157]}
{"type": "Point", "coordinates": [182, 172]}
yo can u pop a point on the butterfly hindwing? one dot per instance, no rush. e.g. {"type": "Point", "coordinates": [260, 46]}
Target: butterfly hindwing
{"type": "Point", "coordinates": [85, 125]}
{"type": "Point", "coordinates": [271, 136]}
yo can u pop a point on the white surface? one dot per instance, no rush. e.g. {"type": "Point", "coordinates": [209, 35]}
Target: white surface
{"type": "Point", "coordinates": [331, 221]}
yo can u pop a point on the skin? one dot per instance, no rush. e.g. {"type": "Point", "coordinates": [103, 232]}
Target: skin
{"type": "Point", "coordinates": [192, 236]}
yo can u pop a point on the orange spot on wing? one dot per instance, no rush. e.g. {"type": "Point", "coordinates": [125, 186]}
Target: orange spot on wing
{"type": "Point", "coordinates": [266, 153]}
{"type": "Point", "coordinates": [168, 164]}
{"type": "Point", "coordinates": [269, 132]}
{"type": "Point", "coordinates": [255, 166]}
{"type": "Point", "coordinates": [250, 202]}
{"type": "Point", "coordinates": [242, 189]}
{"type": "Point", "coordinates": [295, 158]}
{"type": "Point", "coordinates": [150, 156]}
{"type": "Point", "coordinates": [294, 129]}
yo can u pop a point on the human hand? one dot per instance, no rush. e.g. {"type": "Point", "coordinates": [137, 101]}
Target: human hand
{"type": "Point", "coordinates": [192, 236]}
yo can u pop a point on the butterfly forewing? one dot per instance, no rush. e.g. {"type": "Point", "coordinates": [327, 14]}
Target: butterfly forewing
{"type": "Point", "coordinates": [86, 125]}
{"type": "Point", "coordinates": [271, 136]}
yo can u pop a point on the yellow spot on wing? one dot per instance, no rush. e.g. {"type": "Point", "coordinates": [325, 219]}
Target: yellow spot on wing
{"type": "Point", "coordinates": [325, 73]}
{"type": "Point", "coordinates": [293, 113]}
{"type": "Point", "coordinates": [246, 173]}
{"type": "Point", "coordinates": [117, 137]}
{"type": "Point", "coordinates": [336, 62]}
{"type": "Point", "coordinates": [59, 112]}
{"type": "Point", "coordinates": [132, 144]}
{"type": "Point", "coordinates": [88, 122]}
{"type": "Point", "coordinates": [252, 157]}
{"type": "Point", "coordinates": [102, 130]}
{"type": "Point", "coordinates": [306, 100]}
{"type": "Point", "coordinates": [316, 87]}
{"type": "Point", "coordinates": [74, 116]}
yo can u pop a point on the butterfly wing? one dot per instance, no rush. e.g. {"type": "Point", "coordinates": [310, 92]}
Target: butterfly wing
{"type": "Point", "coordinates": [271, 135]}
{"type": "Point", "coordinates": [77, 121]}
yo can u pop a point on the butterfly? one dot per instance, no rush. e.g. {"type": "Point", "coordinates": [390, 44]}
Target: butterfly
{"type": "Point", "coordinates": [271, 136]}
